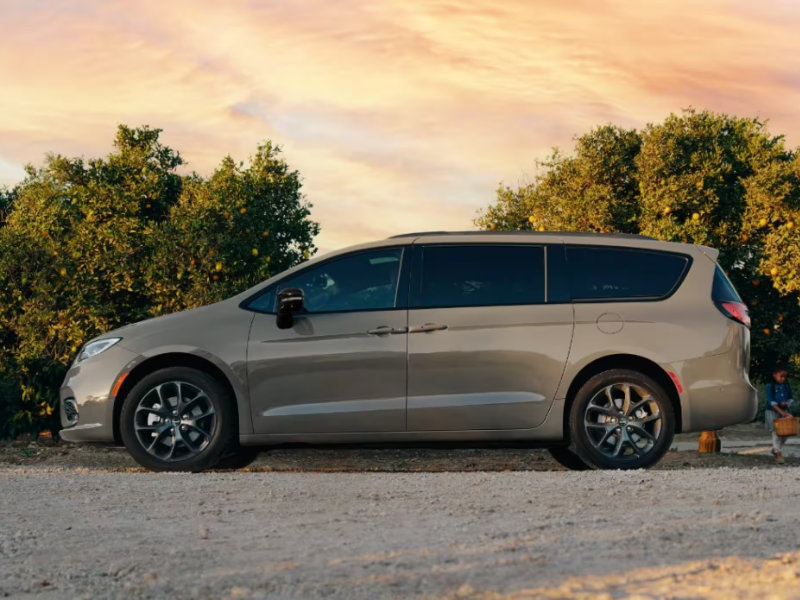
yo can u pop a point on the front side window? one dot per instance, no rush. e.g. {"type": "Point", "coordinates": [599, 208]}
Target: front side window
{"type": "Point", "coordinates": [362, 281]}
{"type": "Point", "coordinates": [600, 272]}
{"type": "Point", "coordinates": [481, 275]}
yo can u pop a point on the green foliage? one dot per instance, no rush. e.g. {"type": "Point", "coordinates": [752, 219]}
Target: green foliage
{"type": "Point", "coordinates": [88, 246]}
{"type": "Point", "coordinates": [6, 200]}
{"type": "Point", "coordinates": [698, 177]}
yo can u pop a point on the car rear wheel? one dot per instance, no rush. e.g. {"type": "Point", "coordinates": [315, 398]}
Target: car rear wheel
{"type": "Point", "coordinates": [621, 419]}
{"type": "Point", "coordinates": [178, 419]}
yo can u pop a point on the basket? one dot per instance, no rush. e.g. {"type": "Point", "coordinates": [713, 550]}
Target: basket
{"type": "Point", "coordinates": [786, 426]}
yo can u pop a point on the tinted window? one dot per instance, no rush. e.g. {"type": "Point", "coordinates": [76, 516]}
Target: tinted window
{"type": "Point", "coordinates": [723, 290]}
{"type": "Point", "coordinates": [622, 272]}
{"type": "Point", "coordinates": [482, 275]}
{"type": "Point", "coordinates": [363, 281]}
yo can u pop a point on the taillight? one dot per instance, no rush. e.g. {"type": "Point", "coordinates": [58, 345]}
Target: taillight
{"type": "Point", "coordinates": [736, 311]}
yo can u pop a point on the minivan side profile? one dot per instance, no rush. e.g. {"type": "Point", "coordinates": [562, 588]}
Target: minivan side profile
{"type": "Point", "coordinates": [599, 347]}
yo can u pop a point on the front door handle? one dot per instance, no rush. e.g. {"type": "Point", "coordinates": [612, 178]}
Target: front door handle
{"type": "Point", "coordinates": [386, 330]}
{"type": "Point", "coordinates": [427, 327]}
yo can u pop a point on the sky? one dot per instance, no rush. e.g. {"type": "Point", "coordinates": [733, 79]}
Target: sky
{"type": "Point", "coordinates": [400, 115]}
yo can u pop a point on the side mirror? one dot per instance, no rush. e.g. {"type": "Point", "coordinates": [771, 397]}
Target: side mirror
{"type": "Point", "coordinates": [290, 301]}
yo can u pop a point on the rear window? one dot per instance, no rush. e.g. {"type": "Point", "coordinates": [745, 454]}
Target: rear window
{"type": "Point", "coordinates": [481, 275]}
{"type": "Point", "coordinates": [723, 290]}
{"type": "Point", "coordinates": [624, 273]}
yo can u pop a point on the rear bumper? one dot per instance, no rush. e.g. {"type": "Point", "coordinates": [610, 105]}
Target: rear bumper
{"type": "Point", "coordinates": [717, 391]}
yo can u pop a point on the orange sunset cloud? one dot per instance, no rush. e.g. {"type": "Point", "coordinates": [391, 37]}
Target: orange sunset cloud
{"type": "Point", "coordinates": [400, 115]}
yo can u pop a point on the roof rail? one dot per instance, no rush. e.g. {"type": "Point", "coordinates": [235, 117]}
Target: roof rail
{"type": "Point", "coordinates": [527, 233]}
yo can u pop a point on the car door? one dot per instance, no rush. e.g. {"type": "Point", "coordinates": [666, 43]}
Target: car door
{"type": "Point", "coordinates": [341, 367]}
{"type": "Point", "coordinates": [486, 351]}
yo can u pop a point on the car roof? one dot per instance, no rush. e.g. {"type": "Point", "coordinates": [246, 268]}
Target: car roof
{"type": "Point", "coordinates": [526, 233]}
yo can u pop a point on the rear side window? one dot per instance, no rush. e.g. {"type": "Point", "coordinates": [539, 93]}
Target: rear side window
{"type": "Point", "coordinates": [481, 275]}
{"type": "Point", "coordinates": [623, 273]}
{"type": "Point", "coordinates": [723, 290]}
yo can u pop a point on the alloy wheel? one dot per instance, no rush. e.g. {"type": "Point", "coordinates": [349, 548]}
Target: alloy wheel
{"type": "Point", "coordinates": [174, 421]}
{"type": "Point", "coordinates": [623, 421]}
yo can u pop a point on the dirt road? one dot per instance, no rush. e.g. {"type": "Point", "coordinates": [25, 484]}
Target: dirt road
{"type": "Point", "coordinates": [97, 533]}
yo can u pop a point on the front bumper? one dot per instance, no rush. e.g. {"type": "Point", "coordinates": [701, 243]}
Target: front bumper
{"type": "Point", "coordinates": [86, 405]}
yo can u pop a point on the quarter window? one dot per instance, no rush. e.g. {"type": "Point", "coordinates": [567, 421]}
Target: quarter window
{"type": "Point", "coordinates": [362, 281]}
{"type": "Point", "coordinates": [481, 275]}
{"type": "Point", "coordinates": [599, 273]}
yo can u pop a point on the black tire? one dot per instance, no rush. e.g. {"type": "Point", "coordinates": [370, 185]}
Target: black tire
{"type": "Point", "coordinates": [239, 458]}
{"type": "Point", "coordinates": [567, 458]}
{"type": "Point", "coordinates": [604, 431]}
{"type": "Point", "coordinates": [210, 411]}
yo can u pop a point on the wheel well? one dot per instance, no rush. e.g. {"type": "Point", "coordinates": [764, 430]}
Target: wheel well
{"type": "Point", "coordinates": [624, 361]}
{"type": "Point", "coordinates": [175, 359]}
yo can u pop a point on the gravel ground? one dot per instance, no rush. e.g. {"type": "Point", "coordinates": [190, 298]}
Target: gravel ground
{"type": "Point", "coordinates": [691, 532]}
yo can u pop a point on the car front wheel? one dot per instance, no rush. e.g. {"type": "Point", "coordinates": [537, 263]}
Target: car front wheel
{"type": "Point", "coordinates": [178, 419]}
{"type": "Point", "coordinates": [621, 419]}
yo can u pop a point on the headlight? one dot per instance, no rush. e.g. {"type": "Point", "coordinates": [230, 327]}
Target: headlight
{"type": "Point", "coordinates": [93, 348]}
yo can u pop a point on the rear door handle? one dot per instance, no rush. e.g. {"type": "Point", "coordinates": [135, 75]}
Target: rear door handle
{"type": "Point", "coordinates": [427, 327]}
{"type": "Point", "coordinates": [386, 330]}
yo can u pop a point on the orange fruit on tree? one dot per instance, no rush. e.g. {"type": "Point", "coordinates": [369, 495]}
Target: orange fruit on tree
{"type": "Point", "coordinates": [666, 211]}
{"type": "Point", "coordinates": [243, 210]}
{"type": "Point", "coordinates": [531, 219]}
{"type": "Point", "coordinates": [695, 216]}
{"type": "Point", "coordinates": [766, 331]}
{"type": "Point", "coordinates": [790, 225]}
{"type": "Point", "coordinates": [773, 271]}
{"type": "Point", "coordinates": [254, 251]}
{"type": "Point", "coordinates": [218, 266]}
{"type": "Point", "coordinates": [763, 222]}
{"type": "Point", "coordinates": [756, 282]}
{"type": "Point", "coordinates": [541, 227]}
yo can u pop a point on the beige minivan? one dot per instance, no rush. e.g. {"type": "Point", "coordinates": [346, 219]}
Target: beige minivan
{"type": "Point", "coordinates": [599, 347]}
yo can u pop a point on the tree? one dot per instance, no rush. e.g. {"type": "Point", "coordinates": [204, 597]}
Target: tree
{"type": "Point", "coordinates": [6, 200]}
{"type": "Point", "coordinates": [92, 245]}
{"type": "Point", "coordinates": [596, 189]}
{"type": "Point", "coordinates": [698, 177]}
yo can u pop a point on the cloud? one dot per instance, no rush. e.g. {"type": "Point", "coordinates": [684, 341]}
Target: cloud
{"type": "Point", "coordinates": [400, 115]}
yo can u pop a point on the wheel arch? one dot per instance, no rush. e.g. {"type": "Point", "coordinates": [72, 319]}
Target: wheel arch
{"type": "Point", "coordinates": [162, 361]}
{"type": "Point", "coordinates": [623, 361]}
